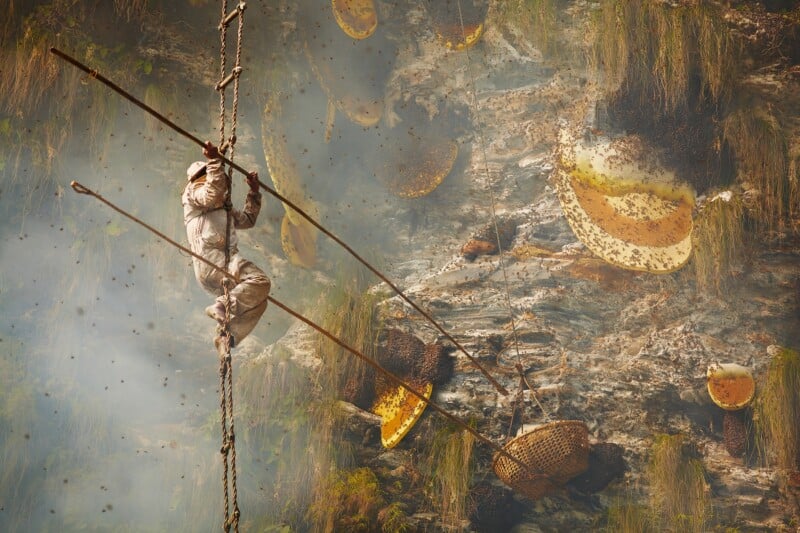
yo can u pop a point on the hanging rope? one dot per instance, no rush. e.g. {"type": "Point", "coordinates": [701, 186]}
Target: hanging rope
{"type": "Point", "coordinates": [228, 448]}
{"type": "Point", "coordinates": [111, 85]}
{"type": "Point", "coordinates": [481, 140]}
{"type": "Point", "coordinates": [81, 189]}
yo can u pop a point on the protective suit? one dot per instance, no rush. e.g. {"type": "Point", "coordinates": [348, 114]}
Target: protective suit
{"type": "Point", "coordinates": [205, 218]}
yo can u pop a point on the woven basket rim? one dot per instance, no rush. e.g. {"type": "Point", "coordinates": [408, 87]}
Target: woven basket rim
{"type": "Point", "coordinates": [526, 435]}
{"type": "Point", "coordinates": [536, 482]}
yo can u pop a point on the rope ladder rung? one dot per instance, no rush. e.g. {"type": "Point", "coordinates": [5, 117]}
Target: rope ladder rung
{"type": "Point", "coordinates": [230, 17]}
{"type": "Point", "coordinates": [194, 138]}
{"type": "Point", "coordinates": [226, 377]}
{"type": "Point", "coordinates": [228, 79]}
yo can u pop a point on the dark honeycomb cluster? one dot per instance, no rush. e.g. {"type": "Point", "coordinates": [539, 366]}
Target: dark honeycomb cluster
{"type": "Point", "coordinates": [405, 356]}
{"type": "Point", "coordinates": [734, 433]}
{"type": "Point", "coordinates": [401, 353]}
{"type": "Point", "coordinates": [485, 241]}
{"type": "Point", "coordinates": [605, 464]}
{"type": "Point", "coordinates": [493, 508]}
{"type": "Point", "coordinates": [437, 365]}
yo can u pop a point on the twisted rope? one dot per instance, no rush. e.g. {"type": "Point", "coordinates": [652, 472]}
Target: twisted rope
{"type": "Point", "coordinates": [228, 448]}
{"type": "Point", "coordinates": [223, 371]}
{"type": "Point", "coordinates": [94, 74]}
{"type": "Point", "coordinates": [493, 202]}
{"type": "Point", "coordinates": [81, 189]}
{"type": "Point", "coordinates": [223, 37]}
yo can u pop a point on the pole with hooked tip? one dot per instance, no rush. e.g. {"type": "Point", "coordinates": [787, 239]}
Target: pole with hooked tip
{"type": "Point", "coordinates": [81, 189]}
{"type": "Point", "coordinates": [102, 79]}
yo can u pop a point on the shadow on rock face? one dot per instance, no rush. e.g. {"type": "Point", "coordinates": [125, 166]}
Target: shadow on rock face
{"type": "Point", "coordinates": [485, 240]}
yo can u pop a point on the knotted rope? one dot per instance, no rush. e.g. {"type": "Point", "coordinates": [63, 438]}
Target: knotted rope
{"type": "Point", "coordinates": [81, 189]}
{"type": "Point", "coordinates": [228, 448]}
{"type": "Point", "coordinates": [94, 74]}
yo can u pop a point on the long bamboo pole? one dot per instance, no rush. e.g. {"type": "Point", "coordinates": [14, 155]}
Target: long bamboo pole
{"type": "Point", "coordinates": [82, 189]}
{"type": "Point", "coordinates": [108, 83]}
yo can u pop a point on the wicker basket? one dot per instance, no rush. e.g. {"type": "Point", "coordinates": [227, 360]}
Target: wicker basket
{"type": "Point", "coordinates": [556, 452]}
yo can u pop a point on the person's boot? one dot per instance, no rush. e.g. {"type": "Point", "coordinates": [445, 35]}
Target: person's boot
{"type": "Point", "coordinates": [216, 311]}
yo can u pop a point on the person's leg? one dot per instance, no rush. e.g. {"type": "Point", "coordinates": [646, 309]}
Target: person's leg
{"type": "Point", "coordinates": [248, 298]}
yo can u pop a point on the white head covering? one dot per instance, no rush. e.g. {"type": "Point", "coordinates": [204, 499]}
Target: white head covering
{"type": "Point", "coordinates": [194, 168]}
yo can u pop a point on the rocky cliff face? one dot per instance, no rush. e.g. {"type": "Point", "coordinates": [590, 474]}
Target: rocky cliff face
{"type": "Point", "coordinates": [437, 157]}
{"type": "Point", "coordinates": [625, 352]}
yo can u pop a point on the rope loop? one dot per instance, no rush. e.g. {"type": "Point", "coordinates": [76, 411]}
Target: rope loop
{"type": "Point", "coordinates": [77, 187]}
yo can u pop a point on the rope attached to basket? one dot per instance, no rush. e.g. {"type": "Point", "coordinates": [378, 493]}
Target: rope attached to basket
{"type": "Point", "coordinates": [518, 400]}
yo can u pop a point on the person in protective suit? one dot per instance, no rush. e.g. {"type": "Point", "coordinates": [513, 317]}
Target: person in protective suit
{"type": "Point", "coordinates": [206, 220]}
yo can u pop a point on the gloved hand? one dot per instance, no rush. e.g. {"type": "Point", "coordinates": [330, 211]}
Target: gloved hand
{"type": "Point", "coordinates": [252, 181]}
{"type": "Point", "coordinates": [210, 151]}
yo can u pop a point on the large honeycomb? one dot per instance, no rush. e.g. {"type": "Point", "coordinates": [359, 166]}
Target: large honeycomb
{"type": "Point", "coordinates": [731, 386]}
{"type": "Point", "coordinates": [458, 25]}
{"type": "Point", "coordinates": [357, 18]}
{"type": "Point", "coordinates": [623, 205]}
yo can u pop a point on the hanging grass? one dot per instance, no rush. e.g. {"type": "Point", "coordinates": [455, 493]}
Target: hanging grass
{"type": "Point", "coordinates": [157, 98]}
{"type": "Point", "coordinates": [30, 155]}
{"type": "Point", "coordinates": [32, 71]}
{"type": "Point", "coordinates": [654, 49]}
{"type": "Point", "coordinates": [671, 62]}
{"type": "Point", "coordinates": [536, 19]}
{"type": "Point", "coordinates": [72, 112]}
{"type": "Point", "coordinates": [627, 516]}
{"type": "Point", "coordinates": [678, 495]}
{"type": "Point", "coordinates": [131, 9]}
{"type": "Point", "coordinates": [103, 110]}
{"type": "Point", "coordinates": [717, 242]}
{"type": "Point", "coordinates": [777, 411]}
{"type": "Point", "coordinates": [761, 149]}
{"type": "Point", "coordinates": [279, 420]}
{"type": "Point", "coordinates": [331, 456]}
{"type": "Point", "coordinates": [641, 47]}
{"type": "Point", "coordinates": [9, 19]}
{"type": "Point", "coordinates": [37, 87]}
{"type": "Point", "coordinates": [293, 416]}
{"type": "Point", "coordinates": [350, 316]}
{"type": "Point", "coordinates": [609, 53]}
{"type": "Point", "coordinates": [794, 186]}
{"type": "Point", "coordinates": [717, 53]}
{"type": "Point", "coordinates": [450, 467]}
